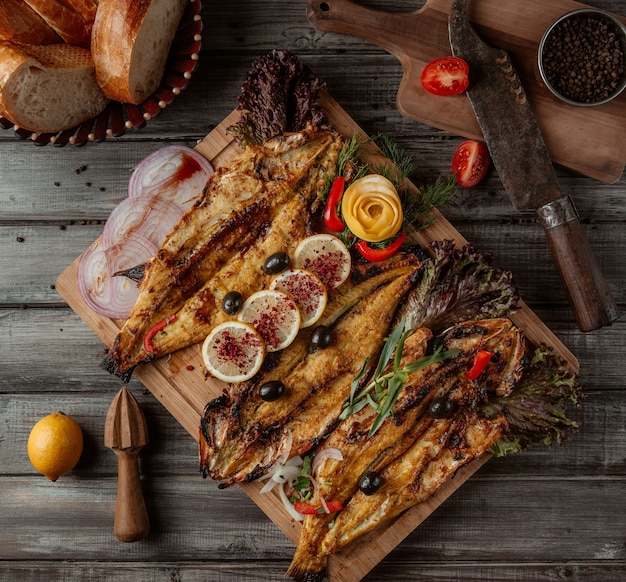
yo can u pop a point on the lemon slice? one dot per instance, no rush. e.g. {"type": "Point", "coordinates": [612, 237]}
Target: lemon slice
{"type": "Point", "coordinates": [326, 256]}
{"type": "Point", "coordinates": [274, 315]}
{"type": "Point", "coordinates": [233, 351]}
{"type": "Point", "coordinates": [306, 289]}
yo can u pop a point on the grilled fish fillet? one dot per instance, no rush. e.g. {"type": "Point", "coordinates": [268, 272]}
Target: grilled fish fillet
{"type": "Point", "coordinates": [240, 441]}
{"type": "Point", "coordinates": [258, 204]}
{"type": "Point", "coordinates": [398, 440]}
{"type": "Point", "coordinates": [416, 475]}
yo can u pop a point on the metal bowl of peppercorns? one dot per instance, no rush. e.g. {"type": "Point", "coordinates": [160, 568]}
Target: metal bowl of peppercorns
{"type": "Point", "coordinates": [582, 57]}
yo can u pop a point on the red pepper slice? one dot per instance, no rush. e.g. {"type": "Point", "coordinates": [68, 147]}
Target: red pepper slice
{"type": "Point", "coordinates": [310, 509]}
{"type": "Point", "coordinates": [156, 328]}
{"type": "Point", "coordinates": [480, 363]}
{"type": "Point", "coordinates": [331, 214]}
{"type": "Point", "coordinates": [375, 255]}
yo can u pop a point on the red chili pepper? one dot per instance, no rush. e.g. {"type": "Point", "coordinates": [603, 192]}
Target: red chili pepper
{"type": "Point", "coordinates": [156, 328]}
{"type": "Point", "coordinates": [310, 509]}
{"type": "Point", "coordinates": [480, 363]}
{"type": "Point", "coordinates": [331, 214]}
{"type": "Point", "coordinates": [375, 255]}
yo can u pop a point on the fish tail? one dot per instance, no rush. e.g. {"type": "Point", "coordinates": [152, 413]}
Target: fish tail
{"type": "Point", "coordinates": [112, 365]}
{"type": "Point", "coordinates": [306, 573]}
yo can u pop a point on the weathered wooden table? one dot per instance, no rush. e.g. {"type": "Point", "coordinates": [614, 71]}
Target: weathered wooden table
{"type": "Point", "coordinates": [545, 514]}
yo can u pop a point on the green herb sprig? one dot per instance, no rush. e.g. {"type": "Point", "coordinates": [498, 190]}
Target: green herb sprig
{"type": "Point", "coordinates": [383, 391]}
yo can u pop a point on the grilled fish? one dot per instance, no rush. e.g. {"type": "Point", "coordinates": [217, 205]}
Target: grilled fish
{"type": "Point", "coordinates": [258, 204]}
{"type": "Point", "coordinates": [243, 436]}
{"type": "Point", "coordinates": [398, 447]}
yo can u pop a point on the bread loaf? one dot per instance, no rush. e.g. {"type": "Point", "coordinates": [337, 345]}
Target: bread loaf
{"type": "Point", "coordinates": [130, 43]}
{"type": "Point", "coordinates": [48, 88]}
{"type": "Point", "coordinates": [71, 19]}
{"type": "Point", "coordinates": [20, 23]}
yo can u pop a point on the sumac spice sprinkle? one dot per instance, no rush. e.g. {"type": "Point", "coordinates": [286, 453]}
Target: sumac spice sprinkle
{"type": "Point", "coordinates": [583, 58]}
{"type": "Point", "coordinates": [326, 265]}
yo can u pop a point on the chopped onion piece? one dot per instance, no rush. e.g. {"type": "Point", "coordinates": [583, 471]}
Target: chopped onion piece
{"type": "Point", "coordinates": [175, 173]}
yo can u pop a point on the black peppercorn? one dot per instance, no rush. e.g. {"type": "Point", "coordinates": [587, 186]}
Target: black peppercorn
{"type": "Point", "coordinates": [583, 58]}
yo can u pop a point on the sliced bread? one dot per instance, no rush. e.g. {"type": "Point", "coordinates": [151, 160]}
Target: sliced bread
{"type": "Point", "coordinates": [130, 43]}
{"type": "Point", "coordinates": [71, 19]}
{"type": "Point", "coordinates": [20, 23]}
{"type": "Point", "coordinates": [48, 88]}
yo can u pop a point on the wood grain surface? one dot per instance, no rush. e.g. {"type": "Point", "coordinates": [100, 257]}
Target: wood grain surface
{"type": "Point", "coordinates": [587, 140]}
{"type": "Point", "coordinates": [546, 514]}
{"type": "Point", "coordinates": [179, 382]}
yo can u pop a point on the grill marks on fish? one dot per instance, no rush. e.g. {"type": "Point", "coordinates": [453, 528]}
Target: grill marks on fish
{"type": "Point", "coordinates": [246, 436]}
{"type": "Point", "coordinates": [258, 202]}
{"type": "Point", "coordinates": [445, 447]}
{"type": "Point", "coordinates": [413, 452]}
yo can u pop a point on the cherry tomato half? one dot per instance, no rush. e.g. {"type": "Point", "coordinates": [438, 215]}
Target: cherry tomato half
{"type": "Point", "coordinates": [470, 163]}
{"type": "Point", "coordinates": [446, 76]}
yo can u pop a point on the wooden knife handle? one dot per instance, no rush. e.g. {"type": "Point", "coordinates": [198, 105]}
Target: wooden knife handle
{"type": "Point", "coordinates": [131, 517]}
{"type": "Point", "coordinates": [585, 286]}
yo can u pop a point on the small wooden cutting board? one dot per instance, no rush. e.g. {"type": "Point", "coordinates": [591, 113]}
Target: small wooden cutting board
{"type": "Point", "coordinates": [178, 381]}
{"type": "Point", "coordinates": [588, 140]}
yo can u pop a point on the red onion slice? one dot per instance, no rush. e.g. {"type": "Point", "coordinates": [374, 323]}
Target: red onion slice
{"type": "Point", "coordinates": [329, 453]}
{"type": "Point", "coordinates": [135, 250]}
{"type": "Point", "coordinates": [151, 217]}
{"type": "Point", "coordinates": [175, 173]}
{"type": "Point", "coordinates": [109, 296]}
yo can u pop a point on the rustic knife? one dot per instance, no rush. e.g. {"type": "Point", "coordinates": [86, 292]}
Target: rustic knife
{"type": "Point", "coordinates": [520, 155]}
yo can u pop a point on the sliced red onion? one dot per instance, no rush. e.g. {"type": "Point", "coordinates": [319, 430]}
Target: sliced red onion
{"type": "Point", "coordinates": [161, 188]}
{"type": "Point", "coordinates": [135, 250]}
{"type": "Point", "coordinates": [329, 453]}
{"type": "Point", "coordinates": [288, 505]}
{"type": "Point", "coordinates": [109, 296]}
{"type": "Point", "coordinates": [175, 173]}
{"type": "Point", "coordinates": [284, 455]}
{"type": "Point", "coordinates": [150, 217]}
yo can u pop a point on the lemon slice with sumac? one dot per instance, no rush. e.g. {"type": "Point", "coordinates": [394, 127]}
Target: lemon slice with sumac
{"type": "Point", "coordinates": [275, 317]}
{"type": "Point", "coordinates": [326, 256]}
{"type": "Point", "coordinates": [306, 289]}
{"type": "Point", "coordinates": [233, 351]}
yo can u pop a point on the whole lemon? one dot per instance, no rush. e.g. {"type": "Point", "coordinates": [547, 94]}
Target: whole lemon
{"type": "Point", "coordinates": [55, 445]}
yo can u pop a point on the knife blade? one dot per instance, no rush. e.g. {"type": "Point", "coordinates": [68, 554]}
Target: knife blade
{"type": "Point", "coordinates": [520, 156]}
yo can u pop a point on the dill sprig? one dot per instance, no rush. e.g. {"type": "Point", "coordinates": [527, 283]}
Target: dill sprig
{"type": "Point", "coordinates": [403, 165]}
{"type": "Point", "coordinates": [385, 388]}
{"type": "Point", "coordinates": [417, 205]}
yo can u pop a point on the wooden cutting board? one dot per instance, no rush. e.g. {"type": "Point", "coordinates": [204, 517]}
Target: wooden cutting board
{"type": "Point", "coordinates": [588, 140]}
{"type": "Point", "coordinates": [179, 383]}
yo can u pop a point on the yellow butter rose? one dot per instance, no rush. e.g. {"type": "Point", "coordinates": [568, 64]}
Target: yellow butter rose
{"type": "Point", "coordinates": [371, 208]}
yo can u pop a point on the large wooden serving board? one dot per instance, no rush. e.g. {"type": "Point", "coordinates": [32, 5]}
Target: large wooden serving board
{"type": "Point", "coordinates": [179, 383]}
{"type": "Point", "coordinates": [588, 140]}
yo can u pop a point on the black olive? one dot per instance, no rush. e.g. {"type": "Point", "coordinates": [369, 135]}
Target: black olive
{"type": "Point", "coordinates": [441, 407]}
{"type": "Point", "coordinates": [276, 263]}
{"type": "Point", "coordinates": [271, 390]}
{"type": "Point", "coordinates": [232, 301]}
{"type": "Point", "coordinates": [321, 338]}
{"type": "Point", "coordinates": [369, 483]}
